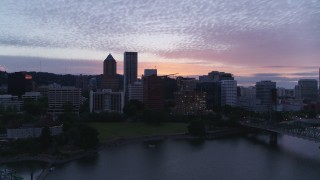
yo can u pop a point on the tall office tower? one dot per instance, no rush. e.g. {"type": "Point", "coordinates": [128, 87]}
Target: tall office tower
{"type": "Point", "coordinates": [308, 89]}
{"type": "Point", "coordinates": [109, 78]}
{"type": "Point", "coordinates": [228, 92]}
{"type": "Point", "coordinates": [130, 70]}
{"type": "Point", "coordinates": [153, 94]}
{"type": "Point", "coordinates": [110, 66]}
{"type": "Point", "coordinates": [266, 92]}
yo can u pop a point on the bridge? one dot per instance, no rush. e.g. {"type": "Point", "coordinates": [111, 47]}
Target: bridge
{"type": "Point", "coordinates": [308, 133]}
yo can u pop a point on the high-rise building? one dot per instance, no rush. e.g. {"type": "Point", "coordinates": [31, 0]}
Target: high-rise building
{"type": "Point", "coordinates": [266, 92]}
{"type": "Point", "coordinates": [19, 83]}
{"type": "Point", "coordinates": [130, 70]}
{"type": "Point", "coordinates": [109, 78]}
{"type": "Point", "coordinates": [307, 89]}
{"type": "Point", "coordinates": [110, 66]}
{"type": "Point", "coordinates": [153, 92]}
{"type": "Point", "coordinates": [213, 93]}
{"type": "Point", "coordinates": [228, 92]}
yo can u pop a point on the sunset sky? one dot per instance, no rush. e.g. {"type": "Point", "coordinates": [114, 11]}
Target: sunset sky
{"type": "Point", "coordinates": [253, 39]}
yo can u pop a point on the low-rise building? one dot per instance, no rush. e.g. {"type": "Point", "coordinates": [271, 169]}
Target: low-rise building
{"type": "Point", "coordinates": [106, 101]}
{"type": "Point", "coordinates": [10, 102]}
{"type": "Point", "coordinates": [60, 97]}
{"type": "Point", "coordinates": [34, 96]}
{"type": "Point", "coordinates": [136, 91]}
{"type": "Point", "coordinates": [32, 132]}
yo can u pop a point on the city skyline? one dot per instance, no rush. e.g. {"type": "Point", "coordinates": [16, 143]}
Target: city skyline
{"type": "Point", "coordinates": [254, 40]}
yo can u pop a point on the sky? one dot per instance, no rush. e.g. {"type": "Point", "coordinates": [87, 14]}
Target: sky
{"type": "Point", "coordinates": [255, 40]}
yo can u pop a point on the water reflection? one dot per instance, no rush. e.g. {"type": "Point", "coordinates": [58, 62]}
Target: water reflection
{"type": "Point", "coordinates": [229, 158]}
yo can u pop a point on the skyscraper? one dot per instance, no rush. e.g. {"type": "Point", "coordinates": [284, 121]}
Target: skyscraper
{"type": "Point", "coordinates": [110, 66]}
{"type": "Point", "coordinates": [266, 92]}
{"type": "Point", "coordinates": [130, 70]}
{"type": "Point", "coordinates": [109, 78]}
{"type": "Point", "coordinates": [308, 89]}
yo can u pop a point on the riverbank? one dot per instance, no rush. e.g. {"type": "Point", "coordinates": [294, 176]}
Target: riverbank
{"type": "Point", "coordinates": [50, 159]}
{"type": "Point", "coordinates": [56, 160]}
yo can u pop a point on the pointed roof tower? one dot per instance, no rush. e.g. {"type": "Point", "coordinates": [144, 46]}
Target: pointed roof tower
{"type": "Point", "coordinates": [110, 66]}
{"type": "Point", "coordinates": [110, 58]}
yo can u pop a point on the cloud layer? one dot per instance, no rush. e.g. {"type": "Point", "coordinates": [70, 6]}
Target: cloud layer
{"type": "Point", "coordinates": [236, 36]}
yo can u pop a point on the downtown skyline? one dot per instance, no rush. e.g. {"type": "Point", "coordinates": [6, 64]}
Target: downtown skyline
{"type": "Point", "coordinates": [254, 40]}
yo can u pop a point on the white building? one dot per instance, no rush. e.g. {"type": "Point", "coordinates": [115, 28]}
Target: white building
{"type": "Point", "coordinates": [31, 96]}
{"type": "Point", "coordinates": [106, 101]}
{"type": "Point", "coordinates": [58, 97]}
{"type": "Point", "coordinates": [136, 91]}
{"type": "Point", "coordinates": [8, 101]}
{"type": "Point", "coordinates": [229, 92]}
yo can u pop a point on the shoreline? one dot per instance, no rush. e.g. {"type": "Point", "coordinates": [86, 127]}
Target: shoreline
{"type": "Point", "coordinates": [56, 160]}
{"type": "Point", "coordinates": [121, 141]}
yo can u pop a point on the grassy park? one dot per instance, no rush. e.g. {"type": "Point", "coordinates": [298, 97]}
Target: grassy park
{"type": "Point", "coordinates": [109, 131]}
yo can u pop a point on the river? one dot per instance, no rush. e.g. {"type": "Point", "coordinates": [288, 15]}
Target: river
{"type": "Point", "coordinates": [221, 159]}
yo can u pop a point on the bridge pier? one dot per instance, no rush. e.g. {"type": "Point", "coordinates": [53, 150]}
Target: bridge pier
{"type": "Point", "coordinates": [273, 138]}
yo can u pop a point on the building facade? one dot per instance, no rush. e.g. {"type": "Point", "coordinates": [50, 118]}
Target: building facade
{"type": "Point", "coordinates": [106, 101]}
{"type": "Point", "coordinates": [130, 70]}
{"type": "Point", "coordinates": [109, 78]}
{"type": "Point", "coordinates": [60, 97]}
{"type": "Point", "coordinates": [153, 92]}
{"type": "Point", "coordinates": [136, 91]}
{"type": "Point", "coordinates": [9, 102]}
{"type": "Point", "coordinates": [266, 93]}
{"type": "Point", "coordinates": [307, 89]}
{"type": "Point", "coordinates": [213, 93]}
{"type": "Point", "coordinates": [228, 93]}
{"type": "Point", "coordinates": [19, 83]}
{"type": "Point", "coordinates": [190, 102]}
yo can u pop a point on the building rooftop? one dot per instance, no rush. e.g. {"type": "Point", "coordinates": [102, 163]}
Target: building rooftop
{"type": "Point", "coordinates": [109, 58]}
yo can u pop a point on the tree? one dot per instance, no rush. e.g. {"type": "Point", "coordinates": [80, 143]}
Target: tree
{"type": "Point", "coordinates": [153, 116]}
{"type": "Point", "coordinates": [35, 107]}
{"type": "Point", "coordinates": [45, 138]}
{"type": "Point", "coordinates": [2, 128]}
{"type": "Point", "coordinates": [197, 128]}
{"type": "Point", "coordinates": [133, 108]}
{"type": "Point", "coordinates": [68, 107]}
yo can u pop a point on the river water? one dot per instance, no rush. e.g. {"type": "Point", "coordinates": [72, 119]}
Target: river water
{"type": "Point", "coordinates": [221, 159]}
